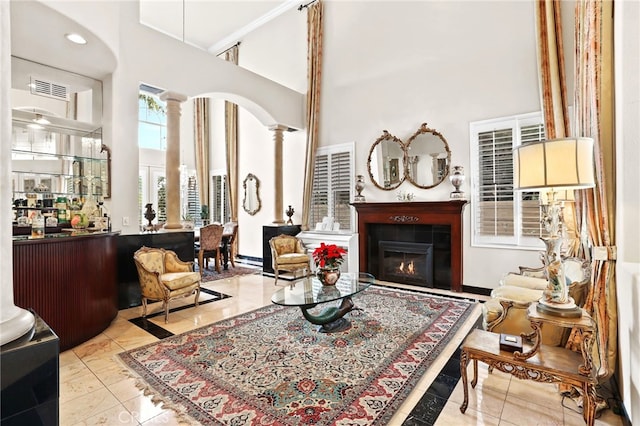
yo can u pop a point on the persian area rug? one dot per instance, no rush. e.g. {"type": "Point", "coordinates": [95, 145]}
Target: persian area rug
{"type": "Point", "coordinates": [271, 367]}
{"type": "Point", "coordinates": [212, 275]}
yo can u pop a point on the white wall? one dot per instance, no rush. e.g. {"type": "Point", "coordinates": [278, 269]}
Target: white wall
{"type": "Point", "coordinates": [627, 54]}
{"type": "Point", "coordinates": [394, 65]}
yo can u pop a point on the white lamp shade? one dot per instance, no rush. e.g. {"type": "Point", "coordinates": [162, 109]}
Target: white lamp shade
{"type": "Point", "coordinates": [554, 164]}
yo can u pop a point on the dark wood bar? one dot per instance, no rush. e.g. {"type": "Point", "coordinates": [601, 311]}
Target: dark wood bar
{"type": "Point", "coordinates": [70, 281]}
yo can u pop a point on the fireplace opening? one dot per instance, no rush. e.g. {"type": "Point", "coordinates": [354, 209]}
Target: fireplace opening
{"type": "Point", "coordinates": [406, 263]}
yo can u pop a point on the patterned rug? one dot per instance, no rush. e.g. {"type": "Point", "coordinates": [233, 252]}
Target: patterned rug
{"type": "Point", "coordinates": [271, 367]}
{"type": "Point", "coordinates": [212, 275]}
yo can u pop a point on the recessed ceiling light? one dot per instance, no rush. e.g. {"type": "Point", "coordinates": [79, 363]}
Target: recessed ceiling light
{"type": "Point", "coordinates": [76, 38]}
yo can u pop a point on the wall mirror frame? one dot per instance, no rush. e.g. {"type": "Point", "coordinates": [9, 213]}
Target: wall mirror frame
{"type": "Point", "coordinates": [424, 160]}
{"type": "Point", "coordinates": [251, 202]}
{"type": "Point", "coordinates": [428, 158]}
{"type": "Point", "coordinates": [386, 162]}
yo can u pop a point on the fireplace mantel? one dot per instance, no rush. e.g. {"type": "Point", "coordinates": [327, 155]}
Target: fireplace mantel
{"type": "Point", "coordinates": [415, 213]}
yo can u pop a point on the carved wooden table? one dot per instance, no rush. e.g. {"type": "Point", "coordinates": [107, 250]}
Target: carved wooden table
{"type": "Point", "coordinates": [541, 363]}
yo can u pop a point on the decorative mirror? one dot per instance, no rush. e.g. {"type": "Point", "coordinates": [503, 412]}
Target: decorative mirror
{"type": "Point", "coordinates": [427, 158]}
{"type": "Point", "coordinates": [386, 162]}
{"type": "Point", "coordinates": [251, 202]}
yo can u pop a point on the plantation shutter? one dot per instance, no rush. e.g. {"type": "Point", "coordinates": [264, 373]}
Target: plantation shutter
{"type": "Point", "coordinates": [530, 204]}
{"type": "Point", "coordinates": [320, 192]}
{"type": "Point", "coordinates": [332, 181]}
{"type": "Point", "coordinates": [193, 200]}
{"type": "Point", "coordinates": [341, 188]}
{"type": "Point", "coordinates": [219, 212]}
{"type": "Point", "coordinates": [495, 184]}
{"type": "Point", "coordinates": [502, 215]}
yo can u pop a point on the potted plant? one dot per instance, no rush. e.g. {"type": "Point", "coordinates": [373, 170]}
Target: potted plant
{"type": "Point", "coordinates": [328, 258]}
{"type": "Point", "coordinates": [204, 214]}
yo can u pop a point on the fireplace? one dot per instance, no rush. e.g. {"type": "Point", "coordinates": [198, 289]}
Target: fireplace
{"type": "Point", "coordinates": [435, 223]}
{"type": "Point", "coordinates": [407, 263]}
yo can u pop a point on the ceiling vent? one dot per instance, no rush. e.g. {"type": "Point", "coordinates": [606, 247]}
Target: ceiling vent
{"type": "Point", "coordinates": [49, 89]}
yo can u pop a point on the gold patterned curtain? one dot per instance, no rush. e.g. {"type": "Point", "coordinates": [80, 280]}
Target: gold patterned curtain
{"type": "Point", "coordinates": [553, 89]}
{"type": "Point", "coordinates": [314, 74]}
{"type": "Point", "coordinates": [552, 69]}
{"type": "Point", "coordinates": [594, 117]}
{"type": "Point", "coordinates": [231, 141]}
{"type": "Point", "coordinates": [201, 140]}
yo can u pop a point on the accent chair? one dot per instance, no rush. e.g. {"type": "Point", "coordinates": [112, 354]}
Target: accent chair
{"type": "Point", "coordinates": [163, 276]}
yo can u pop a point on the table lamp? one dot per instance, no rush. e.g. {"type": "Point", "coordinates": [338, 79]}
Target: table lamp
{"type": "Point", "coordinates": [552, 167]}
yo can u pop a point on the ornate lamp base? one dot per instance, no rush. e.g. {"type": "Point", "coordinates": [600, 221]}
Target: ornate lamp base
{"type": "Point", "coordinates": [565, 310]}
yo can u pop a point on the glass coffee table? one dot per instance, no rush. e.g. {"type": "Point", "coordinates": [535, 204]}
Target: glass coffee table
{"type": "Point", "coordinates": [308, 293]}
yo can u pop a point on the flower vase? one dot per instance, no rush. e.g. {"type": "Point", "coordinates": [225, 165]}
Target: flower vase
{"type": "Point", "coordinates": [328, 276]}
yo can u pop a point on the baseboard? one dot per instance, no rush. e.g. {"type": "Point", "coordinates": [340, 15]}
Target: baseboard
{"type": "Point", "coordinates": [249, 260]}
{"type": "Point", "coordinates": [477, 290]}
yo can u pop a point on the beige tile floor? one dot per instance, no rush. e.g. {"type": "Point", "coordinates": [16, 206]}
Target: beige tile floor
{"type": "Point", "coordinates": [95, 389]}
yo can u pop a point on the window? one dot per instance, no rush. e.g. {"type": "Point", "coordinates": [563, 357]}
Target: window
{"type": "Point", "coordinates": [502, 216]}
{"type": "Point", "coordinates": [152, 119]}
{"type": "Point", "coordinates": [151, 189]}
{"type": "Point", "coordinates": [220, 211]}
{"type": "Point", "coordinates": [332, 183]}
{"type": "Point", "coordinates": [192, 208]}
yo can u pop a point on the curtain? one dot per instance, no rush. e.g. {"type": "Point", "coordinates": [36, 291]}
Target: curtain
{"type": "Point", "coordinates": [201, 138]}
{"type": "Point", "coordinates": [551, 66]}
{"type": "Point", "coordinates": [553, 89]}
{"type": "Point", "coordinates": [231, 142]}
{"type": "Point", "coordinates": [314, 74]}
{"type": "Point", "coordinates": [594, 117]}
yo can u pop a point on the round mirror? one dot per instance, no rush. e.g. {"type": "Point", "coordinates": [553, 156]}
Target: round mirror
{"type": "Point", "coordinates": [386, 162]}
{"type": "Point", "coordinates": [428, 158]}
{"type": "Point", "coordinates": [251, 202]}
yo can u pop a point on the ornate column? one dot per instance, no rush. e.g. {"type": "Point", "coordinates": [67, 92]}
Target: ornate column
{"type": "Point", "coordinates": [172, 162]}
{"type": "Point", "coordinates": [14, 321]}
{"type": "Point", "coordinates": [277, 138]}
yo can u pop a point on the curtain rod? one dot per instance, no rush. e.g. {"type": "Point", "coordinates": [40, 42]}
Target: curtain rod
{"type": "Point", "coordinates": [303, 6]}
{"type": "Point", "coordinates": [229, 48]}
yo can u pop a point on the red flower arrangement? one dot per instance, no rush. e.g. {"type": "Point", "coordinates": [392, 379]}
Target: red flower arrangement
{"type": "Point", "coordinates": [328, 256]}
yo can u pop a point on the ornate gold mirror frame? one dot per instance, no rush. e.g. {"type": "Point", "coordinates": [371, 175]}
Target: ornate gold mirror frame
{"type": "Point", "coordinates": [428, 158]}
{"type": "Point", "coordinates": [386, 162]}
{"type": "Point", "coordinates": [251, 203]}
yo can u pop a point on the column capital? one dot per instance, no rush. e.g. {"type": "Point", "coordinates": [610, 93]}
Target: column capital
{"type": "Point", "coordinates": [172, 96]}
{"type": "Point", "coordinates": [280, 127]}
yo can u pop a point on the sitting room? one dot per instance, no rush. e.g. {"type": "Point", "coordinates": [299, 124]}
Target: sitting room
{"type": "Point", "coordinates": [417, 140]}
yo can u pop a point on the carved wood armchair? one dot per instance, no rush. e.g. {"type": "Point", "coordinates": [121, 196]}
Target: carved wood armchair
{"type": "Point", "coordinates": [163, 276]}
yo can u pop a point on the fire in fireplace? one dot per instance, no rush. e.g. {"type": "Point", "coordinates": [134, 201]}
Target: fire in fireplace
{"type": "Point", "coordinates": [405, 262]}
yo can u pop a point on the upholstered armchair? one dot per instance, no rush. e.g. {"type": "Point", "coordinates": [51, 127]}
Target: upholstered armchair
{"type": "Point", "coordinates": [506, 311]}
{"type": "Point", "coordinates": [288, 254]}
{"type": "Point", "coordinates": [163, 276]}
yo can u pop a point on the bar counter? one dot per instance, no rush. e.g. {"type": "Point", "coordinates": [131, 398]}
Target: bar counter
{"type": "Point", "coordinates": [70, 280]}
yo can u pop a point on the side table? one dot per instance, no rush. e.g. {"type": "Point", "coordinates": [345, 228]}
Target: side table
{"type": "Point", "coordinates": [537, 362]}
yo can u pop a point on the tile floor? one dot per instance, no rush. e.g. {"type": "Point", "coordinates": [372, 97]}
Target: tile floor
{"type": "Point", "coordinates": [95, 389]}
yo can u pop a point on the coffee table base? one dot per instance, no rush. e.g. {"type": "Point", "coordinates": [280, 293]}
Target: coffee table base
{"type": "Point", "coordinates": [331, 319]}
{"type": "Point", "coordinates": [341, 324]}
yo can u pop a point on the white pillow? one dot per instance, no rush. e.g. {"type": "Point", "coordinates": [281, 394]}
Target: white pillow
{"type": "Point", "coordinates": [523, 281]}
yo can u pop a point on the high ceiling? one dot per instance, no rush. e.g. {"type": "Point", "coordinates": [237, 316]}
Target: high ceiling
{"type": "Point", "coordinates": [212, 25]}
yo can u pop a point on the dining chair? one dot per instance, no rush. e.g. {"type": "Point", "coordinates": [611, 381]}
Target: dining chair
{"type": "Point", "coordinates": [210, 242]}
{"type": "Point", "coordinates": [229, 241]}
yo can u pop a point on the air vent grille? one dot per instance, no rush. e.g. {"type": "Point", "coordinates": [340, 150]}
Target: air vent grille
{"type": "Point", "coordinates": [49, 89]}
